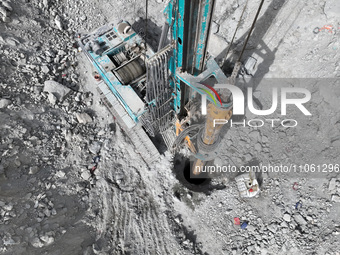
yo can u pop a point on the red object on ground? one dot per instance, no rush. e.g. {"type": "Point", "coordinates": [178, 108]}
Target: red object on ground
{"type": "Point", "coordinates": [251, 190]}
{"type": "Point", "coordinates": [237, 221]}
{"type": "Point", "coordinates": [295, 186]}
{"type": "Point", "coordinates": [97, 77]}
{"type": "Point", "coordinates": [93, 169]}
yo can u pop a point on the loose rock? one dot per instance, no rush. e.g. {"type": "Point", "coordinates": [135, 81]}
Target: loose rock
{"type": "Point", "coordinates": [83, 118]}
{"type": "Point", "coordinates": [4, 103]}
{"type": "Point", "coordinates": [336, 198]}
{"type": "Point", "coordinates": [57, 21]}
{"type": "Point", "coordinates": [286, 217]}
{"type": "Point", "coordinates": [57, 89]}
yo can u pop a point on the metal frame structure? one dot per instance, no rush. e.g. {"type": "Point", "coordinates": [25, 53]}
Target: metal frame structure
{"type": "Point", "coordinates": [155, 89]}
{"type": "Point", "coordinates": [148, 90]}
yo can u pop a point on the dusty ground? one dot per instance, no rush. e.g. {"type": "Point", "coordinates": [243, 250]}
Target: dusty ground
{"type": "Point", "coordinates": [49, 203]}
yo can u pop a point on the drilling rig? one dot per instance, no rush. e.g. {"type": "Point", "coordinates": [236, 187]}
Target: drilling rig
{"type": "Point", "coordinates": [165, 92]}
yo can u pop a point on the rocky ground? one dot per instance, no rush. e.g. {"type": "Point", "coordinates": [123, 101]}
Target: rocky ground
{"type": "Point", "coordinates": [53, 125]}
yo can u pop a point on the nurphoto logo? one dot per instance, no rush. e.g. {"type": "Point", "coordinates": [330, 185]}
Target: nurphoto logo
{"type": "Point", "coordinates": [239, 103]}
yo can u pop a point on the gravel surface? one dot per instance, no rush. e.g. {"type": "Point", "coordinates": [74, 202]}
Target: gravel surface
{"type": "Point", "coordinates": [53, 125]}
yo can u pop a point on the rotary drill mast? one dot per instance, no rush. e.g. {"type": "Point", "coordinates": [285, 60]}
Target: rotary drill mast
{"type": "Point", "coordinates": [194, 69]}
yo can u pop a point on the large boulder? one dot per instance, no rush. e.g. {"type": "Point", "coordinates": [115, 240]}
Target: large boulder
{"type": "Point", "coordinates": [83, 118]}
{"type": "Point", "coordinates": [4, 103]}
{"type": "Point", "coordinates": [57, 89]}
